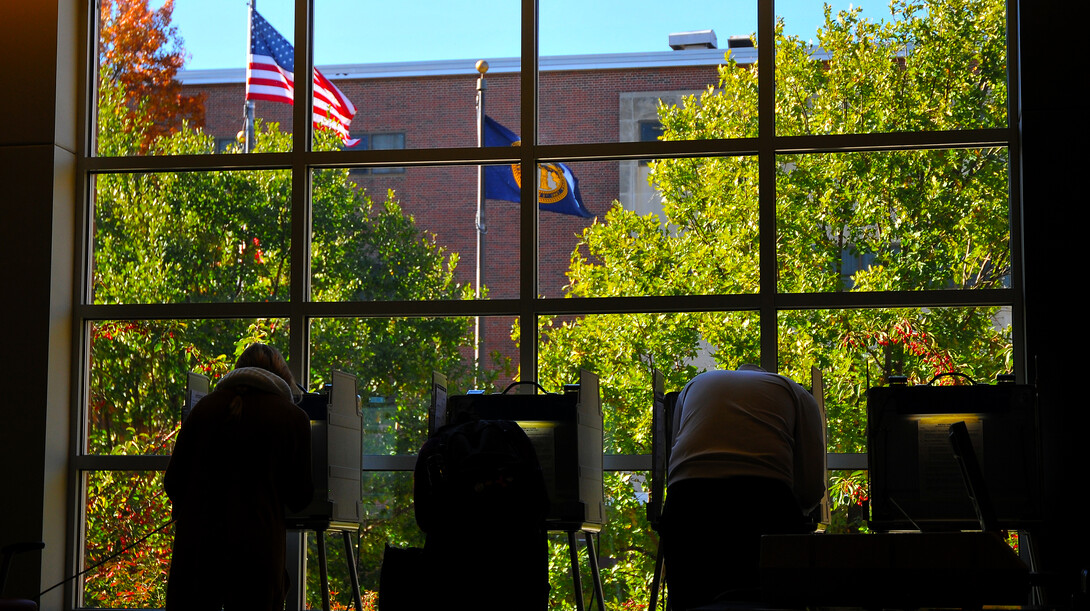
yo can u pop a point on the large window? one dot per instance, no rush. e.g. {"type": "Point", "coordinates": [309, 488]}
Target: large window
{"type": "Point", "coordinates": [829, 190]}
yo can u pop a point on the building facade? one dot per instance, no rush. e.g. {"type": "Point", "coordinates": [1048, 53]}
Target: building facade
{"type": "Point", "coordinates": [583, 99]}
{"type": "Point", "coordinates": [587, 98]}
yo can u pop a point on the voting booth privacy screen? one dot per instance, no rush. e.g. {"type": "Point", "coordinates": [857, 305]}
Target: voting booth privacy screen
{"type": "Point", "coordinates": [916, 482]}
{"type": "Point", "coordinates": [336, 435]}
{"type": "Point", "coordinates": [196, 387]}
{"type": "Point", "coordinates": [662, 436]}
{"type": "Point", "coordinates": [566, 431]}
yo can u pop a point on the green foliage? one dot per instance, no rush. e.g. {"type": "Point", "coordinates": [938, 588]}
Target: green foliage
{"type": "Point", "coordinates": [858, 221]}
{"type": "Point", "coordinates": [128, 506]}
{"type": "Point", "coordinates": [848, 498]}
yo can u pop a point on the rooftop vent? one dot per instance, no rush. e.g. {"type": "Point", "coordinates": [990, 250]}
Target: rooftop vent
{"type": "Point", "coordinates": [739, 42]}
{"type": "Point", "coordinates": [700, 39]}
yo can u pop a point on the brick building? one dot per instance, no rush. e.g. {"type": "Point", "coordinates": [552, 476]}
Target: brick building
{"type": "Point", "coordinates": [582, 99]}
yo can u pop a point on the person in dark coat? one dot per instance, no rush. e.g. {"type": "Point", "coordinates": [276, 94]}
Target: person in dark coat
{"type": "Point", "coordinates": [242, 456]}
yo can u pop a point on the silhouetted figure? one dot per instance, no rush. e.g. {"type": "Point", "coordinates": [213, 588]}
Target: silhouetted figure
{"type": "Point", "coordinates": [242, 455]}
{"type": "Point", "coordinates": [748, 459]}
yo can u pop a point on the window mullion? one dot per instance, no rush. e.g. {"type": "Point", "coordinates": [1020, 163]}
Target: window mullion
{"type": "Point", "coordinates": [766, 163]}
{"type": "Point", "coordinates": [528, 213]}
{"type": "Point", "coordinates": [301, 210]}
{"type": "Point", "coordinates": [1014, 153]}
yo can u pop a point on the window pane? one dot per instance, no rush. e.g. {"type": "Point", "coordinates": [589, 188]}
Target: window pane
{"type": "Point", "coordinates": [409, 236]}
{"type": "Point", "coordinates": [858, 349]}
{"type": "Point", "coordinates": [848, 494]}
{"type": "Point", "coordinates": [623, 349]}
{"type": "Point", "coordinates": [191, 237]}
{"type": "Point", "coordinates": [388, 142]}
{"type": "Point", "coordinates": [925, 67]}
{"type": "Point", "coordinates": [626, 544]}
{"type": "Point", "coordinates": [164, 92]}
{"type": "Point", "coordinates": [887, 221]}
{"type": "Point", "coordinates": [138, 375]}
{"type": "Point", "coordinates": [388, 518]}
{"type": "Point", "coordinates": [626, 550]}
{"type": "Point", "coordinates": [684, 226]}
{"type": "Point", "coordinates": [606, 67]}
{"type": "Point", "coordinates": [121, 507]}
{"type": "Point", "coordinates": [393, 360]}
{"type": "Point", "coordinates": [411, 69]}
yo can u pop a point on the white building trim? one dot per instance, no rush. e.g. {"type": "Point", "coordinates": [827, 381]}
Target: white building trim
{"type": "Point", "coordinates": [456, 67]}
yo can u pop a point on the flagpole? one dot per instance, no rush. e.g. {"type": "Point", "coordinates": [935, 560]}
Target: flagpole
{"type": "Point", "coordinates": [250, 139]}
{"type": "Point", "coordinates": [478, 334]}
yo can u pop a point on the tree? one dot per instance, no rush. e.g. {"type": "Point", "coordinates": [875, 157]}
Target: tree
{"type": "Point", "coordinates": [853, 221]}
{"type": "Point", "coordinates": [141, 51]}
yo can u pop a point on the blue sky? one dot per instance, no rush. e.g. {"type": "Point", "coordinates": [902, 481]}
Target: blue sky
{"type": "Point", "coordinates": [365, 31]}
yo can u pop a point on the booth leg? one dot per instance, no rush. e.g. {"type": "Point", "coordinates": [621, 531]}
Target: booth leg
{"type": "Point", "coordinates": [573, 552]}
{"type": "Point", "coordinates": [350, 557]}
{"type": "Point", "coordinates": [656, 578]}
{"type": "Point", "coordinates": [596, 575]}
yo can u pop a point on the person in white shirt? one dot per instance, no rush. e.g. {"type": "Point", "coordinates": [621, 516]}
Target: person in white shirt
{"type": "Point", "coordinates": [747, 459]}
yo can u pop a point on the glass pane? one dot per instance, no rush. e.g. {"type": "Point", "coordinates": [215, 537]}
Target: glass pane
{"type": "Point", "coordinates": [684, 226]}
{"type": "Point", "coordinates": [138, 375]}
{"type": "Point", "coordinates": [172, 79]}
{"type": "Point", "coordinates": [393, 360]}
{"type": "Point", "coordinates": [412, 235]}
{"type": "Point", "coordinates": [606, 67]}
{"type": "Point", "coordinates": [623, 349]}
{"type": "Point", "coordinates": [864, 68]}
{"type": "Point", "coordinates": [121, 507]}
{"type": "Point", "coordinates": [888, 221]}
{"type": "Point", "coordinates": [411, 70]}
{"type": "Point", "coordinates": [388, 518]}
{"type": "Point", "coordinates": [626, 550]}
{"type": "Point", "coordinates": [191, 237]}
{"type": "Point", "coordinates": [626, 544]}
{"type": "Point", "coordinates": [849, 492]}
{"type": "Point", "coordinates": [859, 349]}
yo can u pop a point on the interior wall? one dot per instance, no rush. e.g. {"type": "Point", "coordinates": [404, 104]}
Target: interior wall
{"type": "Point", "coordinates": [37, 171]}
{"type": "Point", "coordinates": [1053, 127]}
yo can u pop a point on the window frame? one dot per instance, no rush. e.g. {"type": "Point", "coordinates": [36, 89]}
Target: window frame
{"type": "Point", "coordinates": [527, 308]}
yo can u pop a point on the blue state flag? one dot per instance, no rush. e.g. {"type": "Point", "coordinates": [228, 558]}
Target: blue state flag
{"type": "Point", "coordinates": [558, 190]}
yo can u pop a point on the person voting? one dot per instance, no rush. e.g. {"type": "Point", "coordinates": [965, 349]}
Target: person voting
{"type": "Point", "coordinates": [747, 459]}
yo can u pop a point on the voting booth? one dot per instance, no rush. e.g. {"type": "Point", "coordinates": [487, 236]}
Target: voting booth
{"type": "Point", "coordinates": [566, 431]}
{"type": "Point", "coordinates": [917, 482]}
{"type": "Point", "coordinates": [196, 387]}
{"type": "Point", "coordinates": [336, 425]}
{"type": "Point", "coordinates": [336, 438]}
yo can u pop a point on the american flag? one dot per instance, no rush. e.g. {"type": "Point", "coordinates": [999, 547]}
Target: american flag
{"type": "Point", "coordinates": [270, 76]}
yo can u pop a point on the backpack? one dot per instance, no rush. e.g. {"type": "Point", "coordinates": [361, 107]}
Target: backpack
{"type": "Point", "coordinates": [480, 499]}
{"type": "Point", "coordinates": [478, 472]}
